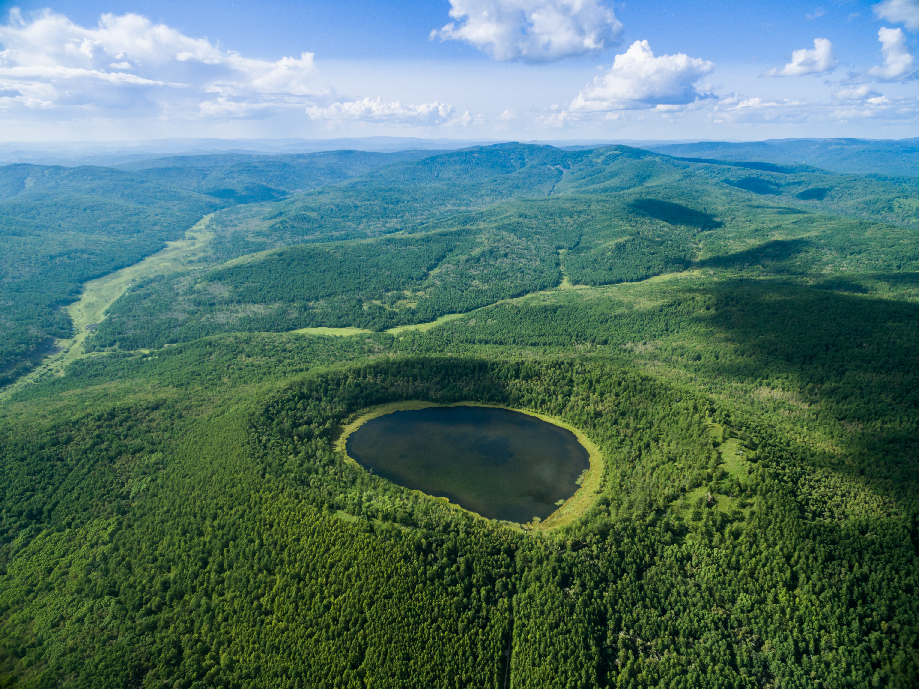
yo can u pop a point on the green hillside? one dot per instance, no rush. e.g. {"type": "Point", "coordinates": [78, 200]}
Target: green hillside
{"type": "Point", "coordinates": [62, 227]}
{"type": "Point", "coordinates": [518, 219]}
{"type": "Point", "coordinates": [741, 349]}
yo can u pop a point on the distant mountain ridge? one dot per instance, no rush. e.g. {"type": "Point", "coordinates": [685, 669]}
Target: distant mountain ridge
{"type": "Point", "coordinates": [853, 156]}
{"type": "Point", "coordinates": [859, 156]}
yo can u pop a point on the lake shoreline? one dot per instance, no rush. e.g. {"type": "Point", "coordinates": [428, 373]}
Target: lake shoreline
{"type": "Point", "coordinates": [571, 510]}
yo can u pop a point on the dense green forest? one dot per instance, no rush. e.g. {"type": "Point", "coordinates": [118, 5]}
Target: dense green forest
{"type": "Point", "coordinates": [742, 349]}
{"type": "Point", "coordinates": [61, 227]}
{"type": "Point", "coordinates": [599, 217]}
{"type": "Point", "coordinates": [251, 178]}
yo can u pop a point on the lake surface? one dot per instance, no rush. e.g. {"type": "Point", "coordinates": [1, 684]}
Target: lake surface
{"type": "Point", "coordinates": [499, 463]}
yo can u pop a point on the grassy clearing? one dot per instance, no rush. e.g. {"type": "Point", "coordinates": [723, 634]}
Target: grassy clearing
{"type": "Point", "coordinates": [332, 332]}
{"type": "Point", "coordinates": [347, 332]}
{"type": "Point", "coordinates": [569, 512]}
{"type": "Point", "coordinates": [643, 294]}
{"type": "Point", "coordinates": [424, 327]}
{"type": "Point", "coordinates": [732, 454]}
{"type": "Point", "coordinates": [98, 295]}
{"type": "Point", "coordinates": [732, 457]}
{"type": "Point", "coordinates": [733, 461]}
{"type": "Point", "coordinates": [566, 281]}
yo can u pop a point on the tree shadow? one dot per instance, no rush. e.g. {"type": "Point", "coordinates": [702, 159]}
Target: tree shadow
{"type": "Point", "coordinates": [757, 185]}
{"type": "Point", "coordinates": [841, 284]}
{"type": "Point", "coordinates": [865, 283]}
{"type": "Point", "coordinates": [763, 167]}
{"type": "Point", "coordinates": [813, 194]}
{"type": "Point", "coordinates": [904, 279]}
{"type": "Point", "coordinates": [773, 254]}
{"type": "Point", "coordinates": [848, 362]}
{"type": "Point", "coordinates": [674, 214]}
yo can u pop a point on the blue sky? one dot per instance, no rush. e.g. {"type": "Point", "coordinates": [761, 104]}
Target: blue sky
{"type": "Point", "coordinates": [478, 69]}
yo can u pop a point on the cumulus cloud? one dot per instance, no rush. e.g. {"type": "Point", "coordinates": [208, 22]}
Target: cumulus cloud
{"type": "Point", "coordinates": [376, 110]}
{"type": "Point", "coordinates": [640, 80]}
{"type": "Point", "coordinates": [904, 12]}
{"type": "Point", "coordinates": [756, 103]}
{"type": "Point", "coordinates": [532, 30]}
{"type": "Point", "coordinates": [859, 102]}
{"type": "Point", "coordinates": [127, 66]}
{"type": "Point", "coordinates": [820, 60]}
{"type": "Point", "coordinates": [878, 108]}
{"type": "Point", "coordinates": [898, 62]}
{"type": "Point", "coordinates": [127, 62]}
{"type": "Point", "coordinates": [856, 94]}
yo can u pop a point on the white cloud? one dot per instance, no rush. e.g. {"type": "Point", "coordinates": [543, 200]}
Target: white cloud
{"type": "Point", "coordinates": [128, 67]}
{"type": "Point", "coordinates": [556, 120]}
{"type": "Point", "coordinates": [141, 66]}
{"type": "Point", "coordinates": [639, 80]}
{"type": "Point", "coordinates": [53, 40]}
{"type": "Point", "coordinates": [897, 61]}
{"type": "Point", "coordinates": [857, 103]}
{"type": "Point", "coordinates": [904, 12]}
{"type": "Point", "coordinates": [57, 73]}
{"type": "Point", "coordinates": [755, 104]}
{"type": "Point", "coordinates": [532, 30]}
{"type": "Point", "coordinates": [856, 94]}
{"type": "Point", "coordinates": [878, 108]}
{"type": "Point", "coordinates": [223, 107]}
{"type": "Point", "coordinates": [376, 110]}
{"type": "Point", "coordinates": [820, 60]}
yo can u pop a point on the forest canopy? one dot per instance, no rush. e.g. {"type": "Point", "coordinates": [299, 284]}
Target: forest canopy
{"type": "Point", "coordinates": [738, 338]}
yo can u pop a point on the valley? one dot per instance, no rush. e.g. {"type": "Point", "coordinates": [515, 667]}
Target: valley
{"type": "Point", "coordinates": [99, 294]}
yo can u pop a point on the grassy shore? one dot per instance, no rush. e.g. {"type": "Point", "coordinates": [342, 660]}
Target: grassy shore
{"type": "Point", "coordinates": [569, 512]}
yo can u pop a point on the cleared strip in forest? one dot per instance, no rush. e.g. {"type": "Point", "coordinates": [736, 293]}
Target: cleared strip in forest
{"type": "Point", "coordinates": [510, 646]}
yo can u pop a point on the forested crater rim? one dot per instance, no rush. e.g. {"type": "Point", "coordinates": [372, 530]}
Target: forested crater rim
{"type": "Point", "coordinates": [570, 511]}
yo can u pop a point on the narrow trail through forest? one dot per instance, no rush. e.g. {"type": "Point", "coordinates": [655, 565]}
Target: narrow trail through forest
{"type": "Point", "coordinates": [510, 646]}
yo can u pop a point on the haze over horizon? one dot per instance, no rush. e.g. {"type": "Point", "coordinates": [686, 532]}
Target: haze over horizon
{"type": "Point", "coordinates": [477, 70]}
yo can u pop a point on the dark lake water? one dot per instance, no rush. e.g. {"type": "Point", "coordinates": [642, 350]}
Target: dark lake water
{"type": "Point", "coordinates": [499, 463]}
